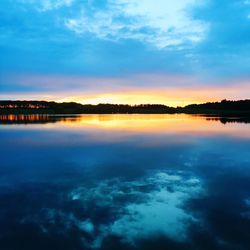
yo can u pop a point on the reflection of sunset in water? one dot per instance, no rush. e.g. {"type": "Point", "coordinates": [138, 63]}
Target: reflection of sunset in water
{"type": "Point", "coordinates": [132, 124]}
{"type": "Point", "coordinates": [24, 118]}
{"type": "Point", "coordinates": [157, 124]}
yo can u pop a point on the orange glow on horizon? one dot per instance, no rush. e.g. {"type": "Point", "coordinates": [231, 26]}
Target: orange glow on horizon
{"type": "Point", "coordinates": [132, 99]}
{"type": "Point", "coordinates": [171, 97]}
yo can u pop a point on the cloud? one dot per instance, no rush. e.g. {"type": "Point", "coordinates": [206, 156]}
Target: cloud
{"type": "Point", "coordinates": [161, 213]}
{"type": "Point", "coordinates": [135, 209]}
{"type": "Point", "coordinates": [162, 25]}
{"type": "Point", "coordinates": [48, 5]}
{"type": "Point", "coordinates": [152, 206]}
{"type": "Point", "coordinates": [77, 37]}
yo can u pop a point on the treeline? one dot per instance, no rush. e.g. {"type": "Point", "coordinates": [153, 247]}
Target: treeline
{"type": "Point", "coordinates": [43, 107]}
{"type": "Point", "coordinates": [224, 107]}
{"type": "Point", "coordinates": [241, 106]}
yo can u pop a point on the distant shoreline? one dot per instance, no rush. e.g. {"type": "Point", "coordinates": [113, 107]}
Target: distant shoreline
{"type": "Point", "coordinates": [223, 108]}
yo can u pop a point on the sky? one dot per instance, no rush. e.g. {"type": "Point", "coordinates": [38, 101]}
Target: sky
{"type": "Point", "coordinates": [125, 51]}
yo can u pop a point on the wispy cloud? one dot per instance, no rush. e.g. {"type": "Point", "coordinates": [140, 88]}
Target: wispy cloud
{"type": "Point", "coordinates": [163, 24]}
{"type": "Point", "coordinates": [47, 5]}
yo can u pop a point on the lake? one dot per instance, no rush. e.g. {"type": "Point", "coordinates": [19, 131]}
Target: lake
{"type": "Point", "coordinates": [124, 182]}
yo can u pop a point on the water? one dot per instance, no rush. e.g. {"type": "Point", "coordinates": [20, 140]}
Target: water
{"type": "Point", "coordinates": [124, 182]}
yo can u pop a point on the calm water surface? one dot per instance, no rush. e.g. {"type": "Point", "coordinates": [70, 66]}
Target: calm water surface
{"type": "Point", "coordinates": [124, 182]}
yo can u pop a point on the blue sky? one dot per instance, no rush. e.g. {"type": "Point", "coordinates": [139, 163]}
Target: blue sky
{"type": "Point", "coordinates": [172, 52]}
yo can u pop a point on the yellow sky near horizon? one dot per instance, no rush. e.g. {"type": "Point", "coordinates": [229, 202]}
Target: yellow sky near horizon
{"type": "Point", "coordinates": [171, 90]}
{"type": "Point", "coordinates": [171, 96]}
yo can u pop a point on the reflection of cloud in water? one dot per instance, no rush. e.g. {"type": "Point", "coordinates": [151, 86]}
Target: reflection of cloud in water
{"type": "Point", "coordinates": [160, 214]}
{"type": "Point", "coordinates": [149, 207]}
{"type": "Point", "coordinates": [134, 210]}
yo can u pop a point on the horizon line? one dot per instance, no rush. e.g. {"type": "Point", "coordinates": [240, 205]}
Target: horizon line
{"type": "Point", "coordinates": [124, 104]}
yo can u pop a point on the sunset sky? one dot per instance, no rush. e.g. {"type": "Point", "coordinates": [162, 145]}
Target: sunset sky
{"type": "Point", "coordinates": [125, 51]}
